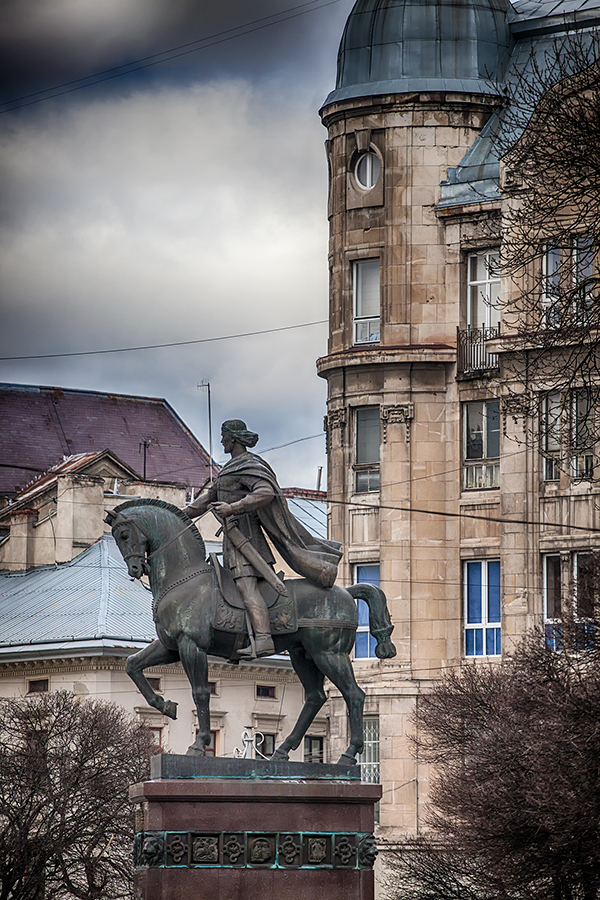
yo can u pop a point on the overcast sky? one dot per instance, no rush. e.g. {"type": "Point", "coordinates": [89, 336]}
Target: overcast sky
{"type": "Point", "coordinates": [181, 201]}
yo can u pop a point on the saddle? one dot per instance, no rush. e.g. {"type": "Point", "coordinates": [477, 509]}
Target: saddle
{"type": "Point", "coordinates": [230, 613]}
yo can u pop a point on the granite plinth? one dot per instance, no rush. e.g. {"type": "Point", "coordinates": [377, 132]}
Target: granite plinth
{"type": "Point", "coordinates": [252, 837]}
{"type": "Point", "coordinates": [170, 765]}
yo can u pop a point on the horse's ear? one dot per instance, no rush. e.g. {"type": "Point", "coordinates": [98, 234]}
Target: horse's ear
{"type": "Point", "coordinates": [111, 515]}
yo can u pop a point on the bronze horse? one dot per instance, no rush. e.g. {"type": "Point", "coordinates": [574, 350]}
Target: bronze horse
{"type": "Point", "coordinates": [158, 539]}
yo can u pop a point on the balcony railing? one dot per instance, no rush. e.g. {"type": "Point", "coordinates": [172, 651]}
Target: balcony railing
{"type": "Point", "coordinates": [471, 354]}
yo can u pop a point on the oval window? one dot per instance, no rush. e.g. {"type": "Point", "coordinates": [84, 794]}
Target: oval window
{"type": "Point", "coordinates": [367, 170]}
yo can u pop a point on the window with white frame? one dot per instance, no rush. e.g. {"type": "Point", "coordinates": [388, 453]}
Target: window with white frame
{"type": "Point", "coordinates": [583, 432]}
{"type": "Point", "coordinates": [367, 304]}
{"type": "Point", "coordinates": [482, 607]}
{"type": "Point", "coordinates": [211, 748]}
{"type": "Point", "coordinates": [583, 275]}
{"type": "Point", "coordinates": [585, 584]}
{"type": "Point", "coordinates": [581, 576]}
{"type": "Point", "coordinates": [264, 745]}
{"type": "Point", "coordinates": [314, 748]}
{"type": "Point", "coordinates": [568, 270]}
{"type": "Point", "coordinates": [155, 733]}
{"type": "Point", "coordinates": [364, 646]}
{"type": "Point", "coordinates": [367, 448]}
{"type": "Point", "coordinates": [481, 444]}
{"type": "Point", "coordinates": [551, 435]}
{"type": "Point", "coordinates": [484, 290]}
{"type": "Point", "coordinates": [369, 759]}
{"type": "Point", "coordinates": [551, 285]}
{"type": "Point", "coordinates": [552, 592]}
{"type": "Point", "coordinates": [367, 170]}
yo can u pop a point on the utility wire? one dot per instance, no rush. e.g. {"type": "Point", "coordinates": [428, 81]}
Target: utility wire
{"type": "Point", "coordinates": [465, 515]}
{"type": "Point", "coordinates": [462, 514]}
{"type": "Point", "coordinates": [289, 443]}
{"type": "Point", "coordinates": [224, 337]}
{"type": "Point", "coordinates": [147, 62]}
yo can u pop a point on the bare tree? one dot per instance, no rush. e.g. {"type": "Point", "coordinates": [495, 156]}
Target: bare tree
{"type": "Point", "coordinates": [515, 750]}
{"type": "Point", "coordinates": [65, 819]}
{"type": "Point", "coordinates": [550, 241]}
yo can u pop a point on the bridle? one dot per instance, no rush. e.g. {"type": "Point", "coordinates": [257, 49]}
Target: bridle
{"type": "Point", "coordinates": [140, 555]}
{"type": "Point", "coordinates": [145, 557]}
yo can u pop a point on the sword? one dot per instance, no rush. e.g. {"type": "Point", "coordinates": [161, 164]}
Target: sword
{"type": "Point", "coordinates": [249, 552]}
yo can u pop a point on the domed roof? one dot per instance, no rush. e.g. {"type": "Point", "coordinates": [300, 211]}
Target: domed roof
{"type": "Point", "coordinates": [399, 46]}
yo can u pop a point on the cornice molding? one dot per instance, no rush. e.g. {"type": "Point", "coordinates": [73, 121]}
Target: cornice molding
{"type": "Point", "coordinates": [216, 671]}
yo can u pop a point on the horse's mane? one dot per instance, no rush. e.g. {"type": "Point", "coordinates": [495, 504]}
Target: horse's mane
{"type": "Point", "coordinates": [170, 507]}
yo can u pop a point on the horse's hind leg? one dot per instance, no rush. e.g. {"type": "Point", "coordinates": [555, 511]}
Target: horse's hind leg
{"type": "Point", "coordinates": [155, 654]}
{"type": "Point", "coordinates": [195, 662]}
{"type": "Point", "coordinates": [312, 681]}
{"type": "Point", "coordinates": [338, 668]}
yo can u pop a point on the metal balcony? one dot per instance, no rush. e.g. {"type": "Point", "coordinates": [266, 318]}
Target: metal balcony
{"type": "Point", "coordinates": [472, 358]}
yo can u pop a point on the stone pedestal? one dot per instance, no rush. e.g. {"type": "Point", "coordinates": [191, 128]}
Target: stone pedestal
{"type": "Point", "coordinates": [253, 830]}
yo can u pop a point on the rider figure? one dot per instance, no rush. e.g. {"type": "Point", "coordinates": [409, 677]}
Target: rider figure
{"type": "Point", "coordinates": [247, 490]}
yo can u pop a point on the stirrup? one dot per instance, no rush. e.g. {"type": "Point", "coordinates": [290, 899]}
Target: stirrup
{"type": "Point", "coordinates": [262, 646]}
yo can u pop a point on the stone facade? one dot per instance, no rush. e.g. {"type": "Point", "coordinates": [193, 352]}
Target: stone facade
{"type": "Point", "coordinates": [419, 508]}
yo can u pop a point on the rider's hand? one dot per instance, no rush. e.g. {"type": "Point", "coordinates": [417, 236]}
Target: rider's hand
{"type": "Point", "coordinates": [223, 510]}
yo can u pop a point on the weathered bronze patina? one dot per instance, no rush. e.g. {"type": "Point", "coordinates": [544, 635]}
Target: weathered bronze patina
{"type": "Point", "coordinates": [197, 609]}
{"type": "Point", "coordinates": [249, 502]}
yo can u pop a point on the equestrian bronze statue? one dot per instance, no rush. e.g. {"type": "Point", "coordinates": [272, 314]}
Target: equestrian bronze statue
{"type": "Point", "coordinates": [244, 609]}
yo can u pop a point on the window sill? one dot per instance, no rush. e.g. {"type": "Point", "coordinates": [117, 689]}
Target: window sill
{"type": "Point", "coordinates": [478, 490]}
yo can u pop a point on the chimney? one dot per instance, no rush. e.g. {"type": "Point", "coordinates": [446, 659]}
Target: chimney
{"type": "Point", "coordinates": [21, 539]}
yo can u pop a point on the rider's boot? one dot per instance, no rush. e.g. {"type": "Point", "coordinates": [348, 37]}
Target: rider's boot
{"type": "Point", "coordinates": [259, 618]}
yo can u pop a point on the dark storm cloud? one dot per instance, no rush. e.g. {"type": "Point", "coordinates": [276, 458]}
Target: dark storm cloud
{"type": "Point", "coordinates": [184, 202]}
{"type": "Point", "coordinates": [45, 43]}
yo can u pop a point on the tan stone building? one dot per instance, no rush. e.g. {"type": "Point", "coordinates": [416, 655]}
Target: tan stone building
{"type": "Point", "coordinates": [433, 488]}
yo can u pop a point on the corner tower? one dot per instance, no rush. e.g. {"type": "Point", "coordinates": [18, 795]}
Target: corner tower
{"type": "Point", "coordinates": [415, 87]}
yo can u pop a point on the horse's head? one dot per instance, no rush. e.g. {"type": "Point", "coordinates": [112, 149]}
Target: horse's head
{"type": "Point", "coordinates": [131, 541]}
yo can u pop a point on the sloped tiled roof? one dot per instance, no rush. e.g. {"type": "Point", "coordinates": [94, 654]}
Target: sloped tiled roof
{"type": "Point", "coordinates": [41, 425]}
{"type": "Point", "coordinates": [88, 605]}
{"type": "Point", "coordinates": [69, 465]}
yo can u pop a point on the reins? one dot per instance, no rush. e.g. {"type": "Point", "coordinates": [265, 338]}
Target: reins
{"type": "Point", "coordinates": [162, 547]}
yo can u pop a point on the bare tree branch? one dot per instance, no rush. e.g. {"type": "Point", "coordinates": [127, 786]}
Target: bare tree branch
{"type": "Point", "coordinates": [65, 818]}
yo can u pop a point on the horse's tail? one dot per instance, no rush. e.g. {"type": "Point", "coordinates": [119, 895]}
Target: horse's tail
{"type": "Point", "coordinates": [380, 624]}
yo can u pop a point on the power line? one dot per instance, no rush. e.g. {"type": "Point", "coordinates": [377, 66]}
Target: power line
{"type": "Point", "coordinates": [147, 62]}
{"type": "Point", "coordinates": [297, 441]}
{"type": "Point", "coordinates": [502, 520]}
{"type": "Point", "coordinates": [224, 337]}
{"type": "Point", "coordinates": [461, 514]}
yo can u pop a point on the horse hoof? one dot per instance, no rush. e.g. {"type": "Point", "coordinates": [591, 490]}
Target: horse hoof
{"type": "Point", "coordinates": [282, 755]}
{"type": "Point", "coordinates": [346, 760]}
{"type": "Point", "coordinates": [170, 709]}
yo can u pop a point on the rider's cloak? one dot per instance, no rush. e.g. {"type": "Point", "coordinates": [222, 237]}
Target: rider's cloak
{"type": "Point", "coordinates": [310, 556]}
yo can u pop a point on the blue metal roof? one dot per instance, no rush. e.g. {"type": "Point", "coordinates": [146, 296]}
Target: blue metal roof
{"type": "Point", "coordinates": [534, 17]}
{"type": "Point", "coordinates": [400, 46]}
{"type": "Point", "coordinates": [87, 605]}
{"type": "Point", "coordinates": [476, 178]}
{"type": "Point", "coordinates": [312, 514]}
{"type": "Point", "coordinates": [458, 46]}
{"type": "Point", "coordinates": [90, 605]}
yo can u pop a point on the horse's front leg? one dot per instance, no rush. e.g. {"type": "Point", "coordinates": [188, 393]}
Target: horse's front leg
{"type": "Point", "coordinates": [195, 662]}
{"type": "Point", "coordinates": [155, 654]}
